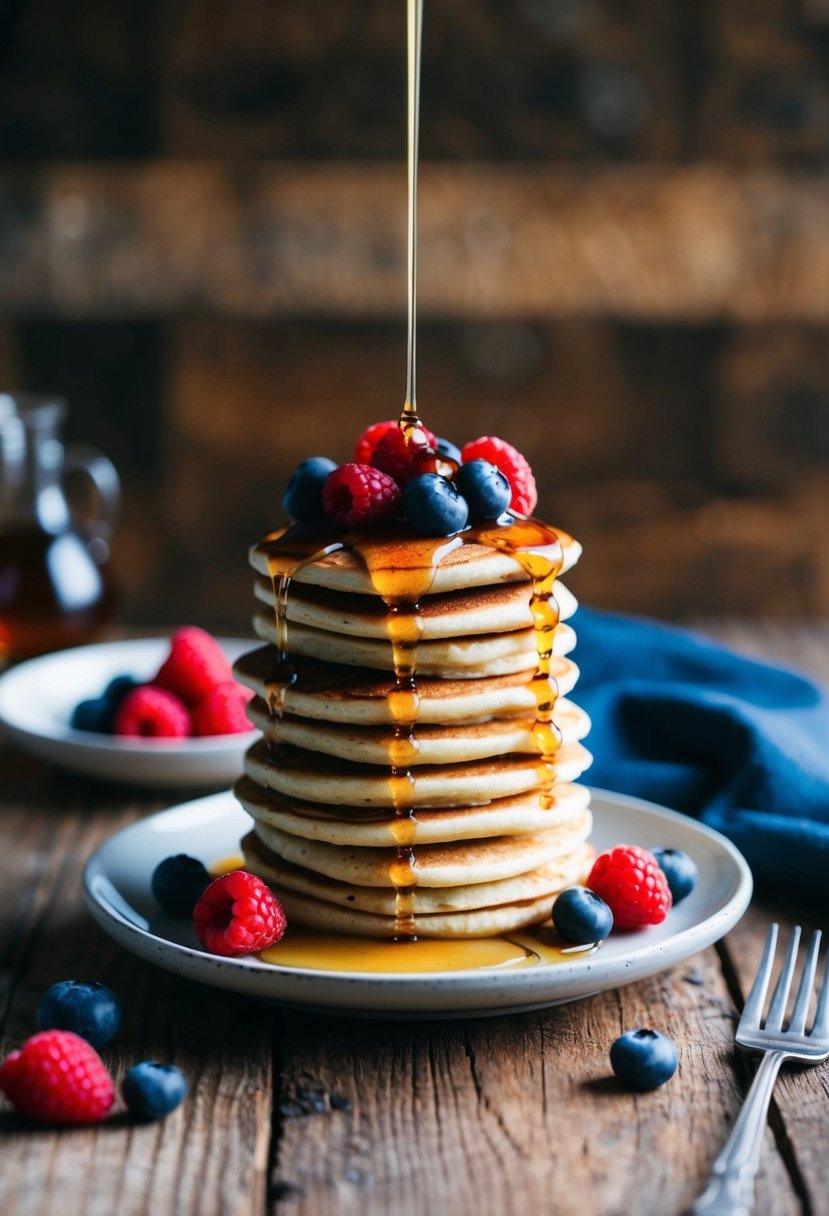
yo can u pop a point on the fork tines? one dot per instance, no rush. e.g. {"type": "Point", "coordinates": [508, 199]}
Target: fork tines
{"type": "Point", "coordinates": [752, 1018]}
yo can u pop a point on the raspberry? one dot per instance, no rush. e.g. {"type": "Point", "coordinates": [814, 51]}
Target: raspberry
{"type": "Point", "coordinates": [152, 713]}
{"type": "Point", "coordinates": [371, 436]}
{"type": "Point", "coordinates": [238, 915]}
{"type": "Point", "coordinates": [402, 458]}
{"type": "Point", "coordinates": [631, 883]}
{"type": "Point", "coordinates": [357, 494]}
{"type": "Point", "coordinates": [57, 1077]}
{"type": "Point", "coordinates": [222, 711]}
{"type": "Point", "coordinates": [195, 664]}
{"type": "Point", "coordinates": [512, 464]}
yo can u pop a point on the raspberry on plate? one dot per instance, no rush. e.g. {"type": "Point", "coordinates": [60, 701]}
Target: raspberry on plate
{"type": "Point", "coordinates": [57, 1077]}
{"type": "Point", "coordinates": [152, 713]}
{"type": "Point", "coordinates": [238, 915]}
{"type": "Point", "coordinates": [512, 464]}
{"type": "Point", "coordinates": [371, 436]}
{"type": "Point", "coordinates": [196, 663]}
{"type": "Point", "coordinates": [357, 494]}
{"type": "Point", "coordinates": [404, 458]}
{"type": "Point", "coordinates": [631, 883]}
{"type": "Point", "coordinates": [222, 711]}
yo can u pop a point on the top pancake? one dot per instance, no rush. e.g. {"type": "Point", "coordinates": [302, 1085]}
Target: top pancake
{"type": "Point", "coordinates": [460, 566]}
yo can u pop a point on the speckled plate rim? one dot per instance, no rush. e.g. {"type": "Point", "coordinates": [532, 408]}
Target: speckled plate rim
{"type": "Point", "coordinates": [116, 888]}
{"type": "Point", "coordinates": [37, 698]}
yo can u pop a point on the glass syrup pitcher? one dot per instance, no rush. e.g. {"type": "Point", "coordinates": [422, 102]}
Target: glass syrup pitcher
{"type": "Point", "coordinates": [55, 582]}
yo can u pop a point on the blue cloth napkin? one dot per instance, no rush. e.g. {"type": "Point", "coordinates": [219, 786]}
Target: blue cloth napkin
{"type": "Point", "coordinates": [741, 745]}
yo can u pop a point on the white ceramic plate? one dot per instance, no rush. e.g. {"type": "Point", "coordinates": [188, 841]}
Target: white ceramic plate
{"type": "Point", "coordinates": [37, 699]}
{"type": "Point", "coordinates": [117, 888]}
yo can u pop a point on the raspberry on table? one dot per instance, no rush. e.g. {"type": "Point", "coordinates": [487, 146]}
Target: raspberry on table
{"type": "Point", "coordinates": [404, 458]}
{"type": "Point", "coordinates": [152, 713]}
{"type": "Point", "coordinates": [195, 664]}
{"type": "Point", "coordinates": [371, 436]}
{"type": "Point", "coordinates": [238, 915]}
{"type": "Point", "coordinates": [57, 1077]}
{"type": "Point", "coordinates": [357, 494]}
{"type": "Point", "coordinates": [512, 464]}
{"type": "Point", "coordinates": [633, 886]}
{"type": "Point", "coordinates": [222, 711]}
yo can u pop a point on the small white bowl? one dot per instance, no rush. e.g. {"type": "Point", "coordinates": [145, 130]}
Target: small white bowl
{"type": "Point", "coordinates": [37, 699]}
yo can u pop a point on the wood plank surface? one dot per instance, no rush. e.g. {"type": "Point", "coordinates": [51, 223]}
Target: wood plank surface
{"type": "Point", "coordinates": [295, 1114]}
{"type": "Point", "coordinates": [649, 242]}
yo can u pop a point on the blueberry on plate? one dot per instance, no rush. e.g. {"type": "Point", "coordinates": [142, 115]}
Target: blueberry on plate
{"type": "Point", "coordinates": [581, 916]}
{"type": "Point", "coordinates": [448, 450]}
{"type": "Point", "coordinates": [679, 869]}
{"type": "Point", "coordinates": [91, 1010]}
{"type": "Point", "coordinates": [644, 1059]}
{"type": "Point", "coordinates": [433, 505]}
{"type": "Point", "coordinates": [178, 884]}
{"type": "Point", "coordinates": [153, 1090]}
{"type": "Point", "coordinates": [92, 715]}
{"type": "Point", "coordinates": [303, 497]}
{"type": "Point", "coordinates": [485, 488]}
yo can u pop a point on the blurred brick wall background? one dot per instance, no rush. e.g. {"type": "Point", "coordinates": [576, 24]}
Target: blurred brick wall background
{"type": "Point", "coordinates": [625, 270]}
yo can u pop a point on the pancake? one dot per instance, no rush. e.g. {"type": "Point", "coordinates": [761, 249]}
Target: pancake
{"type": "Point", "coordinates": [449, 864]}
{"type": "Point", "coordinates": [373, 827]}
{"type": "Point", "coordinates": [345, 694]}
{"type": "Point", "coordinates": [462, 565]}
{"type": "Point", "coordinates": [491, 654]}
{"type": "Point", "coordinates": [434, 744]}
{"type": "Point", "coordinates": [314, 777]}
{"type": "Point", "coordinates": [531, 885]}
{"type": "Point", "coordinates": [453, 614]}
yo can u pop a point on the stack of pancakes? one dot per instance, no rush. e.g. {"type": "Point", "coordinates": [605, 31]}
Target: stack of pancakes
{"type": "Point", "coordinates": [490, 840]}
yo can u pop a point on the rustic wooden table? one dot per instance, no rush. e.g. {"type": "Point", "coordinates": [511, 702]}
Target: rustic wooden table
{"type": "Point", "coordinates": [309, 1115]}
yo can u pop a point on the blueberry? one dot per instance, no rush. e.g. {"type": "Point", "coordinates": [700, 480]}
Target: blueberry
{"type": "Point", "coordinates": [178, 883]}
{"type": "Point", "coordinates": [433, 506]}
{"type": "Point", "coordinates": [680, 871]}
{"type": "Point", "coordinates": [303, 497]}
{"type": "Point", "coordinates": [448, 450]}
{"type": "Point", "coordinates": [581, 917]}
{"type": "Point", "coordinates": [118, 688]}
{"type": "Point", "coordinates": [94, 714]}
{"type": "Point", "coordinates": [485, 488]}
{"type": "Point", "coordinates": [152, 1090]}
{"type": "Point", "coordinates": [91, 1010]}
{"type": "Point", "coordinates": [644, 1059]}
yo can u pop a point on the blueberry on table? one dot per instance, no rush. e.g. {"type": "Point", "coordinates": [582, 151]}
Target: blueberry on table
{"type": "Point", "coordinates": [485, 488]}
{"type": "Point", "coordinates": [679, 869]}
{"type": "Point", "coordinates": [644, 1059]}
{"type": "Point", "coordinates": [153, 1090]}
{"type": "Point", "coordinates": [433, 505]}
{"type": "Point", "coordinates": [303, 497]}
{"type": "Point", "coordinates": [581, 916]}
{"type": "Point", "coordinates": [90, 1010]}
{"type": "Point", "coordinates": [178, 883]}
{"type": "Point", "coordinates": [92, 715]}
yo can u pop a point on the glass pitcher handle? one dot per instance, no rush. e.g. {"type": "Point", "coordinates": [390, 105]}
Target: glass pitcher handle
{"type": "Point", "coordinates": [81, 458]}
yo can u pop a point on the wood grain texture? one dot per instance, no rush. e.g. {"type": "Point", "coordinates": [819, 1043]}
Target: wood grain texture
{"type": "Point", "coordinates": [284, 239]}
{"type": "Point", "coordinates": [511, 1115]}
{"type": "Point", "coordinates": [210, 1155]}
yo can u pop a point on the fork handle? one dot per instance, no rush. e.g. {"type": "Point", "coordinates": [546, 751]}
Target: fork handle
{"type": "Point", "coordinates": [730, 1190]}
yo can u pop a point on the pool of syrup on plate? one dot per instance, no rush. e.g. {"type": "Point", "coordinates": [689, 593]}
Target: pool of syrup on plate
{"type": "Point", "coordinates": [310, 949]}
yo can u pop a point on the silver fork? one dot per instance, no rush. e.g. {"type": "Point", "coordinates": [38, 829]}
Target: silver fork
{"type": "Point", "coordinates": [730, 1190]}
